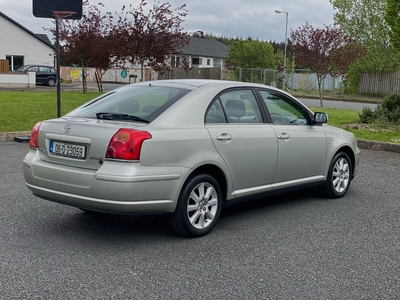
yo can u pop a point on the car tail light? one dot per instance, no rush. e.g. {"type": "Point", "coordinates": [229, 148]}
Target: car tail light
{"type": "Point", "coordinates": [34, 140]}
{"type": "Point", "coordinates": [126, 144]}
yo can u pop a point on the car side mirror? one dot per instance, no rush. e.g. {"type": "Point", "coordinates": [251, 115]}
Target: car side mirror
{"type": "Point", "coordinates": [320, 117]}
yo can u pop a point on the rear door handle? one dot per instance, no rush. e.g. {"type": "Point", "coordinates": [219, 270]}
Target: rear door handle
{"type": "Point", "coordinates": [224, 137]}
{"type": "Point", "coordinates": [284, 136]}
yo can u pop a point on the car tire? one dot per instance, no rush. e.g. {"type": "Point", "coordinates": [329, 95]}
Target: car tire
{"type": "Point", "coordinates": [339, 176]}
{"type": "Point", "coordinates": [51, 82]}
{"type": "Point", "coordinates": [198, 208]}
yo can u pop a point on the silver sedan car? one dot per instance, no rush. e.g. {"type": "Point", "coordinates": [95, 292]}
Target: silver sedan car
{"type": "Point", "coordinates": [185, 148]}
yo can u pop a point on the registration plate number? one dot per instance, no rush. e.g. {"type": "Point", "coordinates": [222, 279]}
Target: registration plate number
{"type": "Point", "coordinates": [67, 150]}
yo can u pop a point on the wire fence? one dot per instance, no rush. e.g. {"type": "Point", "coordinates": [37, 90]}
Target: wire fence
{"type": "Point", "coordinates": [298, 79]}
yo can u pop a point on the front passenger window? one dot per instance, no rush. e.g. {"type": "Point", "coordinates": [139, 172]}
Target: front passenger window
{"type": "Point", "coordinates": [283, 110]}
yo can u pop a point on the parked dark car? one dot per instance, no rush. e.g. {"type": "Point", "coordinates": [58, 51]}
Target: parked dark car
{"type": "Point", "coordinates": [44, 74]}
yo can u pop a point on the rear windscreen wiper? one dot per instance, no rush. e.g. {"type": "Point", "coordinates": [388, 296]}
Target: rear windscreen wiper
{"type": "Point", "coordinates": [119, 116]}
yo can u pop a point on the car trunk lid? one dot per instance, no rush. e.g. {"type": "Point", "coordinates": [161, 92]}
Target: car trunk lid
{"type": "Point", "coordinates": [78, 142]}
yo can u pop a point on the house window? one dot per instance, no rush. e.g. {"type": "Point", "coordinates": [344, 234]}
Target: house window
{"type": "Point", "coordinates": [15, 61]}
{"type": "Point", "coordinates": [196, 61]}
{"type": "Point", "coordinates": [175, 62]}
{"type": "Point", "coordinates": [208, 62]}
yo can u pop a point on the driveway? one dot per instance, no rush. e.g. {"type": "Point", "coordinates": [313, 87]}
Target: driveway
{"type": "Point", "coordinates": [295, 246]}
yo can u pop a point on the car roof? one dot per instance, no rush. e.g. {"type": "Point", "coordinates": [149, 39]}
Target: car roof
{"type": "Point", "coordinates": [39, 66]}
{"type": "Point", "coordinates": [197, 83]}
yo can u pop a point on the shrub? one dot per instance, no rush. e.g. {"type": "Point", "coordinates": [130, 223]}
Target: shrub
{"type": "Point", "coordinates": [387, 112]}
{"type": "Point", "coordinates": [367, 115]}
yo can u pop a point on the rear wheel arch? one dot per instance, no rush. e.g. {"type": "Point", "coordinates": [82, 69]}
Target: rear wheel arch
{"type": "Point", "coordinates": [215, 172]}
{"type": "Point", "coordinates": [199, 203]}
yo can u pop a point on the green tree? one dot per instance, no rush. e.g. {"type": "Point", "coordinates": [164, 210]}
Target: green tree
{"type": "Point", "coordinates": [392, 18]}
{"type": "Point", "coordinates": [364, 20]}
{"type": "Point", "coordinates": [251, 54]}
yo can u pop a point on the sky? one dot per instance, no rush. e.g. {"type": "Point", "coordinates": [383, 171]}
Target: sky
{"type": "Point", "coordinates": [228, 18]}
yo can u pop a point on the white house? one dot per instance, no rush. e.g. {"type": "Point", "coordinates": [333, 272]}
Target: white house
{"type": "Point", "coordinates": [201, 53]}
{"type": "Point", "coordinates": [20, 46]}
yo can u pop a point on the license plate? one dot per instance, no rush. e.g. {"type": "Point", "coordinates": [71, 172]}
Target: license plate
{"type": "Point", "coordinates": [67, 150]}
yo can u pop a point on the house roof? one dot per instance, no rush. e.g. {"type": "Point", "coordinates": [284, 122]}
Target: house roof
{"type": "Point", "coordinates": [41, 37]}
{"type": "Point", "coordinates": [204, 47]}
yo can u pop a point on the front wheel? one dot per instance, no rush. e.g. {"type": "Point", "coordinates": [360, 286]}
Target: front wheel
{"type": "Point", "coordinates": [339, 176]}
{"type": "Point", "coordinates": [199, 206]}
{"type": "Point", "coordinates": [51, 82]}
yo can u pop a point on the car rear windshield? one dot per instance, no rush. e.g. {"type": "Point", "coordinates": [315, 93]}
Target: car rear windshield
{"type": "Point", "coordinates": [144, 101]}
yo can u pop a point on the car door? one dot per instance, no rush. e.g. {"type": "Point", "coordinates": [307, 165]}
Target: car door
{"type": "Point", "coordinates": [34, 69]}
{"type": "Point", "coordinates": [42, 74]}
{"type": "Point", "coordinates": [247, 144]}
{"type": "Point", "coordinates": [302, 145]}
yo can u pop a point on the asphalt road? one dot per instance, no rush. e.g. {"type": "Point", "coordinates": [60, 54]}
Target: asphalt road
{"type": "Point", "coordinates": [295, 246]}
{"type": "Point", "coordinates": [338, 104]}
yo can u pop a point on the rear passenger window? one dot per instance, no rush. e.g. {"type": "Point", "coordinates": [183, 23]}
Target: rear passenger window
{"type": "Point", "coordinates": [234, 106]}
{"type": "Point", "coordinates": [215, 113]}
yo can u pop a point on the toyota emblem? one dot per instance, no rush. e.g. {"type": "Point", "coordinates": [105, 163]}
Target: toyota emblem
{"type": "Point", "coordinates": [67, 128]}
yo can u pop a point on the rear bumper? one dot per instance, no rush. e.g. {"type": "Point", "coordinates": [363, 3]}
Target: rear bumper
{"type": "Point", "coordinates": [104, 205]}
{"type": "Point", "coordinates": [125, 188]}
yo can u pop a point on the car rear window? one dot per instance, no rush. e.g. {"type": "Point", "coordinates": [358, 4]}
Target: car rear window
{"type": "Point", "coordinates": [145, 101]}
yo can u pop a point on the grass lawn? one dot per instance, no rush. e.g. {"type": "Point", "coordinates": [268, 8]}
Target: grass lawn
{"type": "Point", "coordinates": [349, 120]}
{"type": "Point", "coordinates": [20, 111]}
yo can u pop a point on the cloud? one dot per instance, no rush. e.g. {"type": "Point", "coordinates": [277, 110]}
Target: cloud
{"type": "Point", "coordinates": [229, 18]}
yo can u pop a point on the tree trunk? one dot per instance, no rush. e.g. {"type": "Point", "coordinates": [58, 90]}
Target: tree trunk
{"type": "Point", "coordinates": [319, 79]}
{"type": "Point", "coordinates": [141, 70]}
{"type": "Point", "coordinates": [84, 83]}
{"type": "Point", "coordinates": [99, 80]}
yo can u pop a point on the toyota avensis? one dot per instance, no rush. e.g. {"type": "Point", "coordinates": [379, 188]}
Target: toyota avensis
{"type": "Point", "coordinates": [185, 148]}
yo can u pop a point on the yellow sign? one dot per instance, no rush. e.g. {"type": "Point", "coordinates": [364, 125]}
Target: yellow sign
{"type": "Point", "coordinates": [75, 74]}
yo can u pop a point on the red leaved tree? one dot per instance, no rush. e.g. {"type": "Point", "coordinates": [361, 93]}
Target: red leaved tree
{"type": "Point", "coordinates": [149, 35]}
{"type": "Point", "coordinates": [87, 42]}
{"type": "Point", "coordinates": [185, 64]}
{"type": "Point", "coordinates": [325, 51]}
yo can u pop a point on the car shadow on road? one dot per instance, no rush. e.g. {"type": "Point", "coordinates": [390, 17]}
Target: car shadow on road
{"type": "Point", "coordinates": [76, 224]}
{"type": "Point", "coordinates": [108, 228]}
{"type": "Point", "coordinates": [280, 201]}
